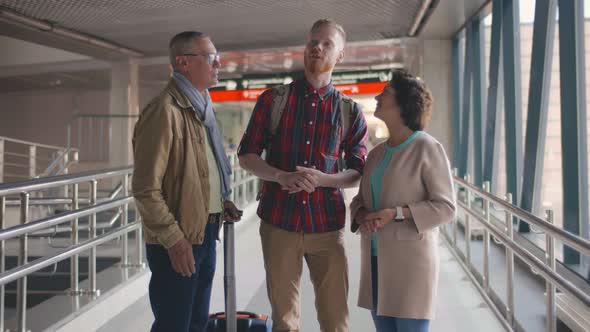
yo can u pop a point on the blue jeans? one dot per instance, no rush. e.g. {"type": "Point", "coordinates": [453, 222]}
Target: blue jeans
{"type": "Point", "coordinates": [393, 324]}
{"type": "Point", "coordinates": [180, 303]}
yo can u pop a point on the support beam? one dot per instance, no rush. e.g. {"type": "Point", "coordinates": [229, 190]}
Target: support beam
{"type": "Point", "coordinates": [573, 123]}
{"type": "Point", "coordinates": [494, 97]}
{"type": "Point", "coordinates": [124, 100]}
{"type": "Point", "coordinates": [512, 96]}
{"type": "Point", "coordinates": [539, 85]}
{"type": "Point", "coordinates": [479, 97]}
{"type": "Point", "coordinates": [466, 108]}
{"type": "Point", "coordinates": [456, 102]}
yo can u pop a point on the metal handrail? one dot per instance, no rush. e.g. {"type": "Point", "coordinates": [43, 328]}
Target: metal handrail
{"type": "Point", "coordinates": [38, 264]}
{"type": "Point", "coordinates": [531, 259]}
{"type": "Point", "coordinates": [40, 224]}
{"type": "Point", "coordinates": [61, 180]}
{"type": "Point", "coordinates": [61, 162]}
{"type": "Point", "coordinates": [40, 145]}
{"type": "Point", "coordinates": [570, 239]}
{"type": "Point", "coordinates": [244, 191]}
{"type": "Point", "coordinates": [52, 161]}
{"type": "Point", "coordinates": [505, 236]}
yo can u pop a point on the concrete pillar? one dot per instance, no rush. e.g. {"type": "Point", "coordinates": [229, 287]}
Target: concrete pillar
{"type": "Point", "coordinates": [123, 111]}
{"type": "Point", "coordinates": [436, 71]}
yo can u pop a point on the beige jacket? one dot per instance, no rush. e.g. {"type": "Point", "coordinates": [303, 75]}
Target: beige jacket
{"type": "Point", "coordinates": [418, 176]}
{"type": "Point", "coordinates": [170, 172]}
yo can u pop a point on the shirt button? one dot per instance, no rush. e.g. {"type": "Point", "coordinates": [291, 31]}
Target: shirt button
{"type": "Point", "coordinates": [305, 162]}
{"type": "Point", "coordinates": [304, 202]}
{"type": "Point", "coordinates": [313, 104]}
{"type": "Point", "coordinates": [307, 142]}
{"type": "Point", "coordinates": [310, 123]}
{"type": "Point", "coordinates": [315, 91]}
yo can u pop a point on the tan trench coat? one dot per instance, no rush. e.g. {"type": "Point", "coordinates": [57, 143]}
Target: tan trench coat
{"type": "Point", "coordinates": [418, 176]}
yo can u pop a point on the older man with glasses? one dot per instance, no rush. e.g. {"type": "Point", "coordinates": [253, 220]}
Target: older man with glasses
{"type": "Point", "coordinates": [181, 185]}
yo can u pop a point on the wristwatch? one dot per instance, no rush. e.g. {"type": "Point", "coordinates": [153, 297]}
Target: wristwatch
{"type": "Point", "coordinates": [399, 214]}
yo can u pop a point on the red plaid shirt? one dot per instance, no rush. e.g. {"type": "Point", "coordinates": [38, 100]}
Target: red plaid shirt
{"type": "Point", "coordinates": [308, 135]}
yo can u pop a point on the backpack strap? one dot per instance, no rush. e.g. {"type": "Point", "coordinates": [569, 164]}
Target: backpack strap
{"type": "Point", "coordinates": [281, 94]}
{"type": "Point", "coordinates": [346, 109]}
{"type": "Point", "coordinates": [279, 101]}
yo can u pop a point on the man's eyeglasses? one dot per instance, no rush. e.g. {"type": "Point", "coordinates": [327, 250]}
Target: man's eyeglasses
{"type": "Point", "coordinates": [211, 57]}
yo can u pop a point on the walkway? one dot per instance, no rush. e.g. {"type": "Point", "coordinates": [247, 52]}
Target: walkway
{"type": "Point", "coordinates": [460, 307]}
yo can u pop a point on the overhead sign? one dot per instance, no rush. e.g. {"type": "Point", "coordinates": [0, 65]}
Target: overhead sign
{"type": "Point", "coordinates": [219, 96]}
{"type": "Point", "coordinates": [250, 87]}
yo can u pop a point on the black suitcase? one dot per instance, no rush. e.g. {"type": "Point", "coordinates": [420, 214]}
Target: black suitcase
{"type": "Point", "coordinates": [241, 321]}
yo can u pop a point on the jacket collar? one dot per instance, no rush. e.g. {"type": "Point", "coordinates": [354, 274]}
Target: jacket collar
{"type": "Point", "coordinates": [174, 91]}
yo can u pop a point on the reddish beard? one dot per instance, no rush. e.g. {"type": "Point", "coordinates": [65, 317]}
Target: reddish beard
{"type": "Point", "coordinates": [317, 66]}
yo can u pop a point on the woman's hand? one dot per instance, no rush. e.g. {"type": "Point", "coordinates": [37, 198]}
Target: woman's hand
{"type": "Point", "coordinates": [380, 218]}
{"type": "Point", "coordinates": [359, 218]}
{"type": "Point", "coordinates": [366, 225]}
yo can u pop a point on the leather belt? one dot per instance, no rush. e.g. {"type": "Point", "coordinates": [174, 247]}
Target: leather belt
{"type": "Point", "coordinates": [214, 218]}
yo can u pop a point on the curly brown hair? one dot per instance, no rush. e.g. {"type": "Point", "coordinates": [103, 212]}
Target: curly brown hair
{"type": "Point", "coordinates": [413, 98]}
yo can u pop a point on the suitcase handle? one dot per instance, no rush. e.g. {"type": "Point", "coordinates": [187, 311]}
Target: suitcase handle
{"type": "Point", "coordinates": [241, 314]}
{"type": "Point", "coordinates": [229, 280]}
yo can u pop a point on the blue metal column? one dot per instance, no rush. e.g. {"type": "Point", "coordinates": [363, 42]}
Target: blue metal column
{"type": "Point", "coordinates": [540, 82]}
{"type": "Point", "coordinates": [466, 109]}
{"type": "Point", "coordinates": [494, 92]}
{"type": "Point", "coordinates": [573, 122]}
{"type": "Point", "coordinates": [512, 96]}
{"type": "Point", "coordinates": [456, 102]}
{"type": "Point", "coordinates": [478, 75]}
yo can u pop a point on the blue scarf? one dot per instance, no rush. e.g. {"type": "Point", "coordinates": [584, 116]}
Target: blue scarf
{"type": "Point", "coordinates": [204, 111]}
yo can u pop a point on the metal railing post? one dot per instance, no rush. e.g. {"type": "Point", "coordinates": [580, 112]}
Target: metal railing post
{"type": "Point", "coordinates": [1, 160]}
{"type": "Point", "coordinates": [486, 240]}
{"type": "Point", "coordinates": [92, 235]}
{"type": "Point", "coordinates": [455, 222]}
{"type": "Point", "coordinates": [243, 186]}
{"type": "Point", "coordinates": [21, 284]}
{"type": "Point", "coordinates": [509, 265]}
{"type": "Point", "coordinates": [74, 264]}
{"type": "Point", "coordinates": [139, 235]}
{"type": "Point", "coordinates": [549, 286]}
{"type": "Point", "coordinates": [124, 219]}
{"type": "Point", "coordinates": [2, 260]}
{"type": "Point", "coordinates": [66, 160]}
{"type": "Point", "coordinates": [467, 224]}
{"type": "Point", "coordinates": [32, 161]}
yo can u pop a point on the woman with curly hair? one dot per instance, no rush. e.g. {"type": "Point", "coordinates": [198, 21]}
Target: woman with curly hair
{"type": "Point", "coordinates": [406, 192]}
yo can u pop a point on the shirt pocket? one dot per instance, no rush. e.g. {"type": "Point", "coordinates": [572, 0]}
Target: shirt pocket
{"type": "Point", "coordinates": [406, 231]}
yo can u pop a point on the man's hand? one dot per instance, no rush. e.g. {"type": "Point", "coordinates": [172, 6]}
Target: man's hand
{"type": "Point", "coordinates": [182, 259]}
{"type": "Point", "coordinates": [231, 212]}
{"type": "Point", "coordinates": [297, 181]}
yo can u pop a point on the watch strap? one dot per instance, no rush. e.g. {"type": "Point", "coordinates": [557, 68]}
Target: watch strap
{"type": "Point", "coordinates": [399, 213]}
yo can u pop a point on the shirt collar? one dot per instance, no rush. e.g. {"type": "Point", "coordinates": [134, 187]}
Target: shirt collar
{"type": "Point", "coordinates": [309, 90]}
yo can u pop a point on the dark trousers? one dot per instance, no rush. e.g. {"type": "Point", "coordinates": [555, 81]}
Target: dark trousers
{"type": "Point", "coordinates": [179, 303]}
{"type": "Point", "coordinates": [393, 324]}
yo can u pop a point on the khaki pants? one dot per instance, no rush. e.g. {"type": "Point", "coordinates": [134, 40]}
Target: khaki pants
{"type": "Point", "coordinates": [283, 260]}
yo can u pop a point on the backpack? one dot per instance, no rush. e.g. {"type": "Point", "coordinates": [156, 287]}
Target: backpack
{"type": "Point", "coordinates": [281, 95]}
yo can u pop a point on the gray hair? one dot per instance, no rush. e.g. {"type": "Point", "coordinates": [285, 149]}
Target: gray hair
{"type": "Point", "coordinates": [182, 43]}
